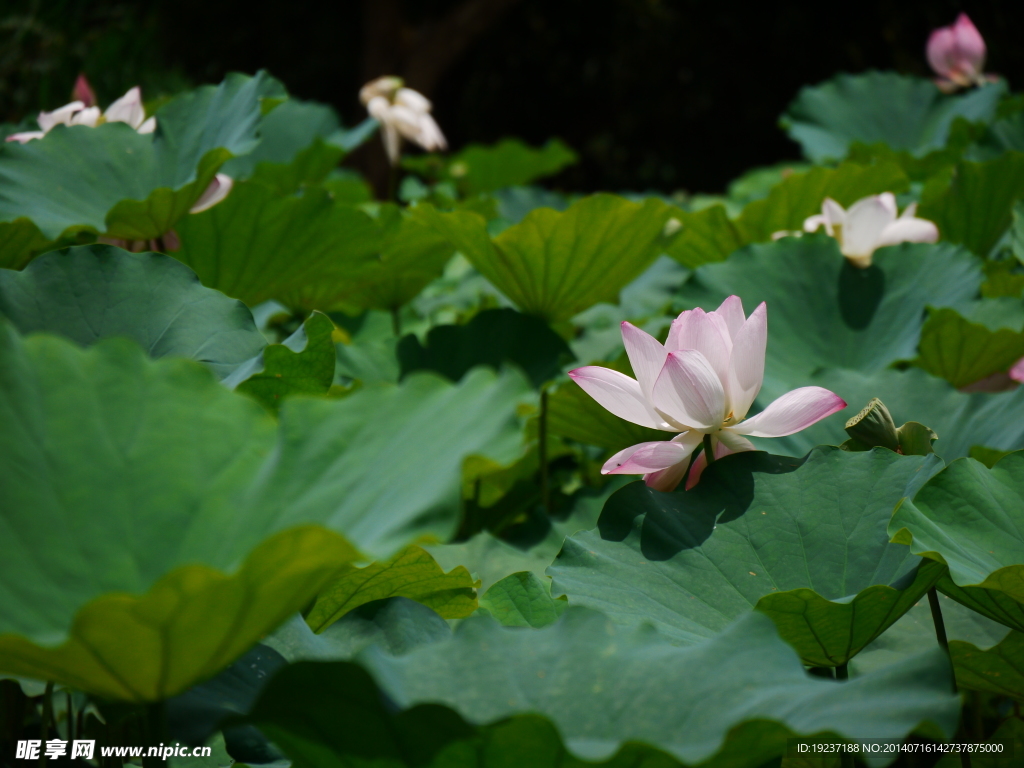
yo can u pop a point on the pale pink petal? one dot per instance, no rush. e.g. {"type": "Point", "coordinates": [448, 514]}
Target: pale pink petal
{"type": "Point", "coordinates": [909, 212]}
{"type": "Point", "coordinates": [733, 442]}
{"type": "Point", "coordinates": [647, 457]}
{"type": "Point", "coordinates": [1017, 371]}
{"type": "Point", "coordinates": [149, 126]}
{"type": "Point", "coordinates": [619, 394]}
{"type": "Point", "coordinates": [646, 355]}
{"type": "Point", "coordinates": [127, 109]}
{"type": "Point", "coordinates": [666, 480]}
{"type": "Point", "coordinates": [706, 333]}
{"type": "Point", "coordinates": [431, 137]}
{"type": "Point", "coordinates": [746, 366]}
{"type": "Point", "coordinates": [382, 87]}
{"type": "Point", "coordinates": [216, 191]}
{"type": "Point", "coordinates": [909, 231]}
{"type": "Point", "coordinates": [941, 50]}
{"type": "Point", "coordinates": [689, 392]}
{"type": "Point", "coordinates": [792, 412]}
{"type": "Point", "coordinates": [864, 224]}
{"type": "Point", "coordinates": [970, 47]}
{"type": "Point", "coordinates": [89, 116]}
{"type": "Point", "coordinates": [59, 116]}
{"type": "Point", "coordinates": [25, 136]}
{"type": "Point", "coordinates": [811, 224]}
{"type": "Point", "coordinates": [731, 311]}
{"type": "Point", "coordinates": [414, 100]}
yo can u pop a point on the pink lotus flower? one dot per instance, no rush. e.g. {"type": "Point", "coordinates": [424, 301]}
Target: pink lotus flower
{"type": "Point", "coordinates": [957, 54]}
{"type": "Point", "coordinates": [127, 109]}
{"type": "Point", "coordinates": [702, 381]}
{"type": "Point", "coordinates": [869, 224]}
{"type": "Point", "coordinates": [402, 113]}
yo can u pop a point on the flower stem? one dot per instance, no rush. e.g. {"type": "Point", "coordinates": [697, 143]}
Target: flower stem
{"type": "Point", "coordinates": [940, 626]}
{"type": "Point", "coordinates": [396, 321]}
{"type": "Point", "coordinates": [709, 452]}
{"type": "Point", "coordinates": [542, 450]}
{"type": "Point", "coordinates": [843, 672]}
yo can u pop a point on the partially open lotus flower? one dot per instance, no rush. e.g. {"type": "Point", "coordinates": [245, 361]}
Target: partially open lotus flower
{"type": "Point", "coordinates": [402, 113]}
{"type": "Point", "coordinates": [702, 381]}
{"type": "Point", "coordinates": [128, 109]}
{"type": "Point", "coordinates": [869, 224]}
{"type": "Point", "coordinates": [957, 54]}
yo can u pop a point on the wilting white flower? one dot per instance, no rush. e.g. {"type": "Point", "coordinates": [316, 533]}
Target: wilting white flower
{"type": "Point", "coordinates": [128, 109]}
{"type": "Point", "coordinates": [216, 191]}
{"type": "Point", "coordinates": [957, 54]}
{"type": "Point", "coordinates": [867, 225]}
{"type": "Point", "coordinates": [402, 113]}
{"type": "Point", "coordinates": [701, 381]}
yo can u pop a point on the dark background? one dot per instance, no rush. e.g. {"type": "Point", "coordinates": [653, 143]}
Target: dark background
{"type": "Point", "coordinates": [653, 94]}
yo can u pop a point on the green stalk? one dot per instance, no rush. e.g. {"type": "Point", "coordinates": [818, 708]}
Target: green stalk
{"type": "Point", "coordinates": [155, 730]}
{"type": "Point", "coordinates": [940, 635]}
{"type": "Point", "coordinates": [396, 321]}
{"type": "Point", "coordinates": [843, 671]}
{"type": "Point", "coordinates": [709, 452]}
{"type": "Point", "coordinates": [47, 718]}
{"type": "Point", "coordinates": [70, 715]}
{"type": "Point", "coordinates": [542, 450]}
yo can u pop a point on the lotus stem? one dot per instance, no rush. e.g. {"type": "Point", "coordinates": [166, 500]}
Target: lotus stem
{"type": "Point", "coordinates": [542, 451]}
{"type": "Point", "coordinates": [47, 718]}
{"type": "Point", "coordinates": [396, 321]}
{"type": "Point", "coordinates": [843, 671]}
{"type": "Point", "coordinates": [940, 627]}
{"type": "Point", "coordinates": [709, 452]}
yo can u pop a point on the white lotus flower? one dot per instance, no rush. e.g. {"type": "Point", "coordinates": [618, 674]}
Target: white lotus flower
{"type": "Point", "coordinates": [702, 381]}
{"type": "Point", "coordinates": [869, 224]}
{"type": "Point", "coordinates": [128, 109]}
{"type": "Point", "coordinates": [215, 191]}
{"type": "Point", "coordinates": [402, 113]}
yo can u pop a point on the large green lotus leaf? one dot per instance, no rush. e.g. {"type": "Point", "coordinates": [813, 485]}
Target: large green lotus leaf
{"type": "Point", "coordinates": [1002, 135]}
{"type": "Point", "coordinates": [94, 292]}
{"type": "Point", "coordinates": [510, 162]}
{"type": "Point", "coordinates": [556, 264]}
{"type": "Point", "coordinates": [960, 420]}
{"type": "Point", "coordinates": [999, 669]}
{"type": "Point", "coordinates": [490, 338]}
{"type": "Point", "coordinates": [129, 487]}
{"type": "Point", "coordinates": [962, 352]}
{"type": "Point", "coordinates": [908, 113]}
{"type": "Point", "coordinates": [522, 599]}
{"type": "Point", "coordinates": [803, 541]}
{"type": "Point", "coordinates": [823, 312]}
{"type": "Point", "coordinates": [112, 180]}
{"type": "Point", "coordinates": [974, 206]}
{"type": "Point", "coordinates": [412, 573]}
{"type": "Point", "coordinates": [21, 242]}
{"type": "Point", "coordinates": [971, 518]}
{"type": "Point", "coordinates": [585, 690]}
{"type": "Point", "coordinates": [710, 235]}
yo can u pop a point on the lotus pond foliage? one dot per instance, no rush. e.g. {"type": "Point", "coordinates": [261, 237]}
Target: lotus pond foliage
{"type": "Point", "coordinates": [483, 473]}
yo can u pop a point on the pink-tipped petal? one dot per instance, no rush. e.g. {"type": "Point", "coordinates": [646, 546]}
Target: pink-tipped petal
{"type": "Point", "coordinates": [216, 191]}
{"type": "Point", "coordinates": [666, 480]}
{"type": "Point", "coordinates": [791, 413]}
{"type": "Point", "coordinates": [127, 109]}
{"type": "Point", "coordinates": [649, 457]}
{"type": "Point", "coordinates": [909, 231]}
{"type": "Point", "coordinates": [689, 392]}
{"type": "Point", "coordinates": [618, 394]}
{"type": "Point", "coordinates": [83, 92]}
{"type": "Point", "coordinates": [746, 366]}
{"type": "Point", "coordinates": [646, 355]}
{"type": "Point", "coordinates": [59, 116]}
{"type": "Point", "coordinates": [706, 333]}
{"type": "Point", "coordinates": [25, 136]}
{"type": "Point", "coordinates": [970, 46]}
{"type": "Point", "coordinates": [1017, 371]}
{"type": "Point", "coordinates": [731, 311]}
{"type": "Point", "coordinates": [940, 51]}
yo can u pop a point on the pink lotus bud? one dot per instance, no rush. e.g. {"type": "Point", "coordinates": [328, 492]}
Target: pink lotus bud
{"type": "Point", "coordinates": [957, 53]}
{"type": "Point", "coordinates": [1017, 371]}
{"type": "Point", "coordinates": [83, 92]}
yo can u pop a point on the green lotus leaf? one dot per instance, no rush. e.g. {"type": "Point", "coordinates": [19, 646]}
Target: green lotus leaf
{"type": "Point", "coordinates": [960, 420]}
{"type": "Point", "coordinates": [94, 292]}
{"type": "Point", "coordinates": [114, 181]}
{"type": "Point", "coordinates": [554, 265]}
{"type": "Point", "coordinates": [300, 143]}
{"type": "Point", "coordinates": [803, 541]}
{"type": "Point", "coordinates": [490, 338]}
{"type": "Point", "coordinates": [709, 235]}
{"type": "Point", "coordinates": [130, 487]}
{"type": "Point", "coordinates": [732, 700]}
{"type": "Point", "coordinates": [1002, 135]}
{"type": "Point", "coordinates": [1017, 231]}
{"type": "Point", "coordinates": [974, 205]}
{"type": "Point", "coordinates": [22, 241]}
{"type": "Point", "coordinates": [962, 352]}
{"type": "Point", "coordinates": [999, 669]}
{"type": "Point", "coordinates": [310, 251]}
{"type": "Point", "coordinates": [302, 364]}
{"type": "Point", "coordinates": [823, 312]}
{"type": "Point", "coordinates": [971, 518]}
{"type": "Point", "coordinates": [907, 113]}
{"type": "Point", "coordinates": [510, 162]}
{"type": "Point", "coordinates": [522, 600]}
{"type": "Point", "coordinates": [412, 573]}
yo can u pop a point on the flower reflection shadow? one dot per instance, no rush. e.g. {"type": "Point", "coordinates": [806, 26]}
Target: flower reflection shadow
{"type": "Point", "coordinates": [668, 523]}
{"type": "Point", "coordinates": [860, 293]}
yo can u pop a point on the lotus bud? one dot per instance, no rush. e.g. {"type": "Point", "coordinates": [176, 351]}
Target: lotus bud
{"type": "Point", "coordinates": [874, 426]}
{"type": "Point", "coordinates": [957, 54]}
{"type": "Point", "coordinates": [83, 92]}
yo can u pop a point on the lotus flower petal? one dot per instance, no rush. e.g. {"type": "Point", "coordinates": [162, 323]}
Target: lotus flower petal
{"type": "Point", "coordinates": [957, 52]}
{"type": "Point", "coordinates": [792, 412]}
{"type": "Point", "coordinates": [746, 366]}
{"type": "Point", "coordinates": [705, 332]}
{"type": "Point", "coordinates": [216, 191]}
{"type": "Point", "coordinates": [731, 311]}
{"type": "Point", "coordinates": [688, 392]}
{"type": "Point", "coordinates": [59, 116]}
{"type": "Point", "coordinates": [650, 457]}
{"type": "Point", "coordinates": [619, 394]}
{"type": "Point", "coordinates": [646, 356]}
{"type": "Point", "coordinates": [908, 230]}
{"type": "Point", "coordinates": [127, 109]}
